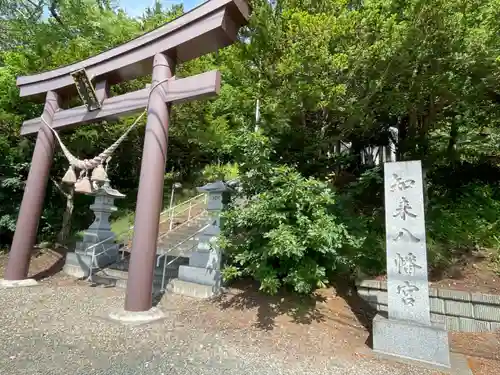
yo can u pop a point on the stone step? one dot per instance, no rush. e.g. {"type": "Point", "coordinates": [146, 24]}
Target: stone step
{"type": "Point", "coordinates": [119, 278]}
{"type": "Point", "coordinates": [164, 227]}
{"type": "Point", "coordinates": [176, 247]}
{"type": "Point", "coordinates": [191, 289]}
{"type": "Point", "coordinates": [172, 241]}
{"type": "Point", "coordinates": [117, 274]}
{"type": "Point", "coordinates": [176, 237]}
{"type": "Point", "coordinates": [196, 218]}
{"type": "Point", "coordinates": [176, 262]}
{"type": "Point", "coordinates": [123, 275]}
{"type": "Point", "coordinates": [180, 251]}
{"type": "Point", "coordinates": [187, 227]}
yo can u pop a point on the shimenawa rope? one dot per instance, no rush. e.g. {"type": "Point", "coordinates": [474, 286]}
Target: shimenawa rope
{"type": "Point", "coordinates": [88, 164]}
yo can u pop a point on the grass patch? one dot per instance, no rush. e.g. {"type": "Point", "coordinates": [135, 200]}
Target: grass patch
{"type": "Point", "coordinates": [121, 224]}
{"type": "Point", "coordinates": [122, 220]}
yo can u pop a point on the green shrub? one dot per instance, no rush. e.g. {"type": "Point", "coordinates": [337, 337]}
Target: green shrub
{"type": "Point", "coordinates": [361, 204]}
{"type": "Point", "coordinates": [214, 172]}
{"type": "Point", "coordinates": [460, 217]}
{"type": "Point", "coordinates": [468, 220]}
{"type": "Point", "coordinates": [289, 232]}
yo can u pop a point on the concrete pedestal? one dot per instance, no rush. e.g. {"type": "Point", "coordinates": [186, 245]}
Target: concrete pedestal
{"type": "Point", "coordinates": [203, 271]}
{"type": "Point", "coordinates": [4, 284]}
{"type": "Point", "coordinates": [137, 317]}
{"type": "Point", "coordinates": [79, 263]}
{"type": "Point", "coordinates": [202, 277]}
{"type": "Point", "coordinates": [426, 343]}
{"type": "Point", "coordinates": [98, 239]}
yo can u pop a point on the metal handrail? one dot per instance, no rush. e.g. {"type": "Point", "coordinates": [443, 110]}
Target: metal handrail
{"type": "Point", "coordinates": [180, 204]}
{"type": "Point", "coordinates": [165, 254]}
{"type": "Point", "coordinates": [190, 201]}
{"type": "Point", "coordinates": [94, 255]}
{"type": "Point", "coordinates": [94, 246]}
{"type": "Point", "coordinates": [181, 225]}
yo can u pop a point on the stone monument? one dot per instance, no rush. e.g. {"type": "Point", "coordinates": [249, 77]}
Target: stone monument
{"type": "Point", "coordinates": [202, 277]}
{"type": "Point", "coordinates": [98, 239]}
{"type": "Point", "coordinates": [408, 331]}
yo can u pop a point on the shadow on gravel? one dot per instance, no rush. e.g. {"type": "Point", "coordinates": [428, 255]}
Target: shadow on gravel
{"type": "Point", "coordinates": [54, 267]}
{"type": "Point", "coordinates": [361, 309]}
{"type": "Point", "coordinates": [157, 296]}
{"type": "Point", "coordinates": [302, 309]}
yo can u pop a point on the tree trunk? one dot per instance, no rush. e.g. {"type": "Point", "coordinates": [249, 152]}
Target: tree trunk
{"type": "Point", "coordinates": [53, 7]}
{"type": "Point", "coordinates": [452, 143]}
{"type": "Point", "coordinates": [402, 146]}
{"type": "Point", "coordinates": [63, 235]}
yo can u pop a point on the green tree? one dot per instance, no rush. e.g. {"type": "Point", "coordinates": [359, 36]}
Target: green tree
{"type": "Point", "coordinates": [323, 72]}
{"type": "Point", "coordinates": [289, 232]}
{"type": "Point", "coordinates": [74, 30]}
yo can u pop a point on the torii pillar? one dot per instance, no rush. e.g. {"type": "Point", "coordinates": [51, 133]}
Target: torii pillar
{"type": "Point", "coordinates": [150, 194]}
{"type": "Point", "coordinates": [31, 207]}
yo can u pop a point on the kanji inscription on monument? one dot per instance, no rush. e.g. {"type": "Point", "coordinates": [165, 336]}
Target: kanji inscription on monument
{"type": "Point", "coordinates": [407, 283]}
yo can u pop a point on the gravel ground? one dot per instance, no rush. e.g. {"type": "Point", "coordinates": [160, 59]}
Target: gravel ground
{"type": "Point", "coordinates": [61, 327]}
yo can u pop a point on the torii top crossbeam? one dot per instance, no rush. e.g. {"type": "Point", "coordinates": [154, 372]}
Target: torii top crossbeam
{"type": "Point", "coordinates": [205, 29]}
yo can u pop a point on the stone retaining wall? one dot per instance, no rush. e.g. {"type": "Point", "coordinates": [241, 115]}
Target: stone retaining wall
{"type": "Point", "coordinates": [462, 311]}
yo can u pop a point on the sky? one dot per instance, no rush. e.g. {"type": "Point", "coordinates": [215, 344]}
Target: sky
{"type": "Point", "coordinates": [136, 7]}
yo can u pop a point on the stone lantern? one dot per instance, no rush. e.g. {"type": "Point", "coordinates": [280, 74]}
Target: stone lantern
{"type": "Point", "coordinates": [98, 247]}
{"type": "Point", "coordinates": [203, 271]}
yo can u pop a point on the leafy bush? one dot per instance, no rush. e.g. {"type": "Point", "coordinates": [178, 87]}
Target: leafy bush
{"type": "Point", "coordinates": [361, 203]}
{"type": "Point", "coordinates": [461, 215]}
{"type": "Point", "coordinates": [214, 172]}
{"type": "Point", "coordinates": [463, 223]}
{"type": "Point", "coordinates": [289, 232]}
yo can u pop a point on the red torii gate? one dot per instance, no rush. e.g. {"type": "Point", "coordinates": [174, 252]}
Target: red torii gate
{"type": "Point", "coordinates": [207, 28]}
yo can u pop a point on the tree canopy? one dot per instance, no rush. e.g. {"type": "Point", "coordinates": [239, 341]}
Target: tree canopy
{"type": "Point", "coordinates": [323, 72]}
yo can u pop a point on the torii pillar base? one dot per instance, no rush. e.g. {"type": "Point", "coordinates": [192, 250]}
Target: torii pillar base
{"type": "Point", "coordinates": [7, 284]}
{"type": "Point", "coordinates": [137, 317]}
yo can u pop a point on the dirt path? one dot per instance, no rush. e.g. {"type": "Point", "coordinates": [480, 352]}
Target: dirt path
{"type": "Point", "coordinates": [64, 319]}
{"type": "Point", "coordinates": [61, 327]}
{"type": "Point", "coordinates": [44, 263]}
